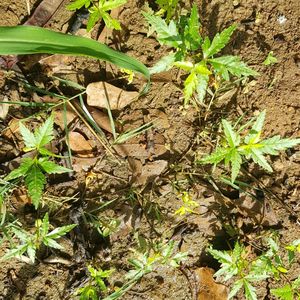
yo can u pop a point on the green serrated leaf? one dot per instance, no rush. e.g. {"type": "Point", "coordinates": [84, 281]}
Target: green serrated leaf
{"type": "Point", "coordinates": [21, 170]}
{"type": "Point", "coordinates": [35, 181]}
{"type": "Point", "coordinates": [231, 64]}
{"type": "Point", "coordinates": [94, 17]}
{"type": "Point", "coordinates": [232, 137]}
{"type": "Point", "coordinates": [235, 288]}
{"type": "Point", "coordinates": [219, 42]}
{"type": "Point", "coordinates": [255, 132]}
{"type": "Point", "coordinates": [44, 133]}
{"type": "Point", "coordinates": [164, 64]}
{"type": "Point", "coordinates": [52, 243]}
{"type": "Point", "coordinates": [112, 4]}
{"type": "Point", "coordinates": [45, 225]}
{"type": "Point", "coordinates": [166, 34]}
{"type": "Point", "coordinates": [250, 291]}
{"type": "Point", "coordinates": [184, 65]}
{"type": "Point", "coordinates": [79, 4]}
{"type": "Point", "coordinates": [16, 252]}
{"type": "Point", "coordinates": [236, 161]}
{"type": "Point", "coordinates": [28, 136]}
{"type": "Point", "coordinates": [52, 168]}
{"type": "Point", "coordinates": [258, 158]}
{"type": "Point", "coordinates": [190, 85]}
{"type": "Point", "coordinates": [216, 156]}
{"type": "Point", "coordinates": [275, 143]}
{"type": "Point", "coordinates": [202, 83]}
{"type": "Point", "coordinates": [192, 37]}
{"type": "Point", "coordinates": [283, 293]}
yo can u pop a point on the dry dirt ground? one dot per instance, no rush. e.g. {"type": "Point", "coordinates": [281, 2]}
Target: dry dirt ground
{"type": "Point", "coordinates": [144, 201]}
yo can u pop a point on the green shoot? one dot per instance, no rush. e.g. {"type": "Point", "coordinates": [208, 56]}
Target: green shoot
{"type": "Point", "coordinates": [33, 169]}
{"type": "Point", "coordinates": [289, 291]}
{"type": "Point", "coordinates": [236, 147]}
{"type": "Point", "coordinates": [168, 8]}
{"type": "Point", "coordinates": [194, 54]}
{"type": "Point", "coordinates": [270, 59]}
{"type": "Point", "coordinates": [99, 10]}
{"type": "Point", "coordinates": [31, 242]}
{"type": "Point", "coordinates": [188, 205]}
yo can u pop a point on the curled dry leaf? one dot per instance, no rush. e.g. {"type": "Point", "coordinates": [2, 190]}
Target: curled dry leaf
{"type": "Point", "coordinates": [79, 144]}
{"type": "Point", "coordinates": [99, 93]}
{"type": "Point", "coordinates": [208, 288]}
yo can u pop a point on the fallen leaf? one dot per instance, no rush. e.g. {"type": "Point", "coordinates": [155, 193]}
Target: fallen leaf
{"type": "Point", "coordinates": [98, 93]}
{"type": "Point", "coordinates": [208, 288]}
{"type": "Point", "coordinates": [150, 171]}
{"type": "Point", "coordinates": [79, 144]}
{"type": "Point", "coordinates": [83, 163]}
{"type": "Point", "coordinates": [139, 150]}
{"type": "Point", "coordinates": [59, 116]}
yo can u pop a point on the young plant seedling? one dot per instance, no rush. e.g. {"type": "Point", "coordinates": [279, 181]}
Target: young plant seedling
{"type": "Point", "coordinates": [236, 264]}
{"type": "Point", "coordinates": [194, 54]}
{"type": "Point", "coordinates": [31, 242]}
{"type": "Point", "coordinates": [33, 169]}
{"type": "Point", "coordinates": [168, 8]}
{"type": "Point", "coordinates": [99, 10]}
{"type": "Point", "coordinates": [289, 291]}
{"type": "Point", "coordinates": [188, 205]}
{"type": "Point", "coordinates": [236, 147]}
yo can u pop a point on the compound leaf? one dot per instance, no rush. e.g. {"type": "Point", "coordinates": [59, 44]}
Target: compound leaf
{"type": "Point", "coordinates": [283, 293]}
{"type": "Point", "coordinates": [21, 170]}
{"type": "Point", "coordinates": [219, 42]}
{"type": "Point", "coordinates": [232, 138]}
{"type": "Point", "coordinates": [231, 64]}
{"type": "Point", "coordinates": [35, 181]}
{"type": "Point", "coordinates": [258, 158]}
{"type": "Point", "coordinates": [60, 231]}
{"type": "Point", "coordinates": [94, 17]}
{"type": "Point", "coordinates": [235, 288]}
{"type": "Point", "coordinates": [250, 291]}
{"type": "Point", "coordinates": [164, 64]}
{"type": "Point", "coordinates": [216, 156]}
{"type": "Point", "coordinates": [192, 37]}
{"type": "Point", "coordinates": [255, 132]}
{"type": "Point", "coordinates": [274, 144]}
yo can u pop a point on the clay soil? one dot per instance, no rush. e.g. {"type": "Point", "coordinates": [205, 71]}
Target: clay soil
{"type": "Point", "coordinates": [144, 182]}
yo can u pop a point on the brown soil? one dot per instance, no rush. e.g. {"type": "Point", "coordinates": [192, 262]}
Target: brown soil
{"type": "Point", "coordinates": [175, 140]}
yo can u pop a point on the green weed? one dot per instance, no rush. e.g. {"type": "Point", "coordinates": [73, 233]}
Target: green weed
{"type": "Point", "coordinates": [33, 170]}
{"type": "Point", "coordinates": [238, 145]}
{"type": "Point", "coordinates": [31, 242]}
{"type": "Point", "coordinates": [194, 54]}
{"type": "Point", "coordinates": [99, 10]}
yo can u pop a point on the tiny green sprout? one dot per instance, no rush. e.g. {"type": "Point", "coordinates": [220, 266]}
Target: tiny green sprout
{"type": "Point", "coordinates": [31, 242]}
{"type": "Point", "coordinates": [237, 147]}
{"type": "Point", "coordinates": [188, 205]}
{"type": "Point", "coordinates": [289, 291]}
{"type": "Point", "coordinates": [99, 10]}
{"type": "Point", "coordinates": [270, 59]}
{"type": "Point", "coordinates": [194, 54]}
{"type": "Point", "coordinates": [33, 169]}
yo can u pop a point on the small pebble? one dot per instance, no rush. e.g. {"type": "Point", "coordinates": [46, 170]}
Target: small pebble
{"type": "Point", "coordinates": [281, 19]}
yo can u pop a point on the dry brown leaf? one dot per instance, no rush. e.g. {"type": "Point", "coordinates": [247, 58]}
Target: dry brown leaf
{"type": "Point", "coordinates": [4, 108]}
{"type": "Point", "coordinates": [208, 288]}
{"type": "Point", "coordinates": [83, 164]}
{"type": "Point", "coordinates": [79, 144]}
{"type": "Point", "coordinates": [59, 117]}
{"type": "Point", "coordinates": [150, 171]}
{"type": "Point", "coordinates": [12, 129]}
{"type": "Point", "coordinates": [139, 150]}
{"type": "Point", "coordinates": [98, 93]}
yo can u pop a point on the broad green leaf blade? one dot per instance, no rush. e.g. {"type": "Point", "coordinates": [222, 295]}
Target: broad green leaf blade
{"type": "Point", "coordinates": [52, 168]}
{"type": "Point", "coordinates": [283, 293]}
{"type": "Point", "coordinates": [219, 42]}
{"type": "Point", "coordinates": [27, 135]}
{"type": "Point", "coordinates": [232, 137]}
{"type": "Point", "coordinates": [35, 181]}
{"type": "Point", "coordinates": [166, 34]}
{"type": "Point", "coordinates": [164, 64]}
{"type": "Point", "coordinates": [44, 133]}
{"type": "Point", "coordinates": [231, 64]}
{"type": "Point", "coordinates": [21, 170]}
{"type": "Point", "coordinates": [17, 40]}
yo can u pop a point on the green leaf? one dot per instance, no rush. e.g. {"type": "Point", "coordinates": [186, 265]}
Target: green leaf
{"type": "Point", "coordinates": [16, 252]}
{"type": "Point", "coordinates": [232, 138]}
{"type": "Point", "coordinates": [275, 143]}
{"type": "Point", "coordinates": [216, 157]}
{"type": "Point", "coordinates": [270, 59]}
{"type": "Point", "coordinates": [231, 64]}
{"type": "Point", "coordinates": [94, 17]}
{"type": "Point", "coordinates": [250, 291]}
{"type": "Point", "coordinates": [45, 225]}
{"type": "Point", "coordinates": [192, 37]}
{"type": "Point", "coordinates": [235, 288]}
{"type": "Point", "coordinates": [52, 168]}
{"type": "Point", "coordinates": [166, 34]}
{"type": "Point", "coordinates": [78, 4]}
{"type": "Point", "coordinates": [219, 42]}
{"type": "Point", "coordinates": [255, 132]}
{"type": "Point", "coordinates": [31, 250]}
{"type": "Point", "coordinates": [283, 293]}
{"type": "Point", "coordinates": [236, 161]}
{"type": "Point", "coordinates": [52, 243]}
{"type": "Point", "coordinates": [190, 85]}
{"type": "Point", "coordinates": [202, 83]}
{"type": "Point", "coordinates": [44, 133]}
{"type": "Point", "coordinates": [18, 40]}
{"type": "Point", "coordinates": [164, 64]}
{"type": "Point", "coordinates": [258, 158]}
{"type": "Point", "coordinates": [60, 231]}
{"type": "Point", "coordinates": [21, 170]}
{"type": "Point", "coordinates": [35, 181]}
{"type": "Point", "coordinates": [111, 4]}
{"type": "Point", "coordinates": [184, 65]}
{"type": "Point", "coordinates": [221, 256]}
{"type": "Point", "coordinates": [27, 135]}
